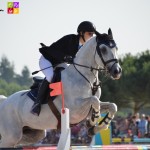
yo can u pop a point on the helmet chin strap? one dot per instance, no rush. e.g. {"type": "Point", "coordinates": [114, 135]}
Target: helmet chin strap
{"type": "Point", "coordinates": [82, 36]}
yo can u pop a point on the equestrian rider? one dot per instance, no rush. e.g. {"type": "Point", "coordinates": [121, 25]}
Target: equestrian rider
{"type": "Point", "coordinates": [63, 50]}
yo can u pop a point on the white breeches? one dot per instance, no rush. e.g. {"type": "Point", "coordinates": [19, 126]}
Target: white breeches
{"type": "Point", "coordinates": [44, 63]}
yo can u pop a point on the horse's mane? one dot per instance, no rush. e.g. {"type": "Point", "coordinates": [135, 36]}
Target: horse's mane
{"type": "Point", "coordinates": [105, 37]}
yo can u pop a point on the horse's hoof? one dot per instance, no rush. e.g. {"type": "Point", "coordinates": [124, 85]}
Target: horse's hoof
{"type": "Point", "coordinates": [88, 124]}
{"type": "Point", "coordinates": [91, 132]}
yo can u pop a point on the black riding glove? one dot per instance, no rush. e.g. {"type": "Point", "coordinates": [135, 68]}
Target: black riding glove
{"type": "Point", "coordinates": [68, 59]}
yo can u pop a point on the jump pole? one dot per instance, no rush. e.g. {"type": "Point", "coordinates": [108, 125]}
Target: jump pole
{"type": "Point", "coordinates": [64, 140]}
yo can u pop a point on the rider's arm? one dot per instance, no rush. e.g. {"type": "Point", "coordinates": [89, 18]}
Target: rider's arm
{"type": "Point", "coordinates": [66, 46]}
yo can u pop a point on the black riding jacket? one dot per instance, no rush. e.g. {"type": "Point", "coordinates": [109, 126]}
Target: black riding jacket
{"type": "Point", "coordinates": [66, 46]}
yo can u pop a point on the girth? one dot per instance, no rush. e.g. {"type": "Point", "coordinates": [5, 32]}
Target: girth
{"type": "Point", "coordinates": [55, 112]}
{"type": "Point", "coordinates": [56, 78]}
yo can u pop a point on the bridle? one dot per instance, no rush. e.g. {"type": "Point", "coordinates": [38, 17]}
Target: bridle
{"type": "Point", "coordinates": [94, 86]}
{"type": "Point", "coordinates": [98, 50]}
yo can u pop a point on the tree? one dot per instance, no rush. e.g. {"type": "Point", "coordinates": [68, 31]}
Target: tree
{"type": "Point", "coordinates": [132, 90]}
{"type": "Point", "coordinates": [24, 78]}
{"type": "Point", "coordinates": [9, 88]}
{"type": "Point", "coordinates": [6, 70]}
{"type": "Point", "coordinates": [10, 82]}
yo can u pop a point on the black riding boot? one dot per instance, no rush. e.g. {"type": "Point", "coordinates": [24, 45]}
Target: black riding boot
{"type": "Point", "coordinates": [36, 108]}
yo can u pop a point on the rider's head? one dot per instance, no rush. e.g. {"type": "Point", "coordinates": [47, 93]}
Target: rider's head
{"type": "Point", "coordinates": [86, 29]}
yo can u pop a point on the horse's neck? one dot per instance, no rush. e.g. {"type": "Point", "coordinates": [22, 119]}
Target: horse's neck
{"type": "Point", "coordinates": [85, 55]}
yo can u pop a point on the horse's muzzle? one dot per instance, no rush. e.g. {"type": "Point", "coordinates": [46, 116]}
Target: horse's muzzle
{"type": "Point", "coordinates": [116, 71]}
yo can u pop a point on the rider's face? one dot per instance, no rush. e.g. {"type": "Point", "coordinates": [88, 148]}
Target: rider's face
{"type": "Point", "coordinates": [88, 35]}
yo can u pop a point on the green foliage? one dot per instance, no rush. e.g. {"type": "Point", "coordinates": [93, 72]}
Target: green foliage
{"type": "Point", "coordinates": [24, 78]}
{"type": "Point", "coordinates": [6, 70]}
{"type": "Point", "coordinates": [132, 89]}
{"type": "Point", "coordinates": [10, 88]}
{"type": "Point", "coordinates": [10, 82]}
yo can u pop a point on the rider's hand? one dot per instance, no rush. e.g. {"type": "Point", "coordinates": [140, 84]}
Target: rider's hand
{"type": "Point", "coordinates": [68, 59]}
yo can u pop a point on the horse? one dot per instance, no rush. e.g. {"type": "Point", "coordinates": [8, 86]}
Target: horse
{"type": "Point", "coordinates": [82, 93]}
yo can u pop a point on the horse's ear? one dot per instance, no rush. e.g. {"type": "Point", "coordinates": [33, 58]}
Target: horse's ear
{"type": "Point", "coordinates": [110, 33]}
{"type": "Point", "coordinates": [43, 45]}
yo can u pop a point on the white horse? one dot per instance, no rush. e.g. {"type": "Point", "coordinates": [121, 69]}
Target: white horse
{"type": "Point", "coordinates": [81, 92]}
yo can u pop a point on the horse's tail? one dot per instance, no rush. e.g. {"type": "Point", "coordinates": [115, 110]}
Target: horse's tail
{"type": "Point", "coordinates": [2, 98]}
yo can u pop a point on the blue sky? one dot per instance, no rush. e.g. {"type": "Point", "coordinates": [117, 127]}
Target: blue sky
{"type": "Point", "coordinates": [48, 20]}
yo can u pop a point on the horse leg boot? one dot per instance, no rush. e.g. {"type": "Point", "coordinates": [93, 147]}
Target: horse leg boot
{"type": "Point", "coordinates": [36, 108]}
{"type": "Point", "coordinates": [111, 109]}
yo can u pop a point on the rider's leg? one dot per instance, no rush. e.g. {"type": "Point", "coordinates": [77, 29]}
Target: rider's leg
{"type": "Point", "coordinates": [43, 63]}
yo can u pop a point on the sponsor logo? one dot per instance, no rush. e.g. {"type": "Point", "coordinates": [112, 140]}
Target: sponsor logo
{"type": "Point", "coordinates": [13, 7]}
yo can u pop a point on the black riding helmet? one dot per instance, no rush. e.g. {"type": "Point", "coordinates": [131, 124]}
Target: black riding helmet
{"type": "Point", "coordinates": [86, 26]}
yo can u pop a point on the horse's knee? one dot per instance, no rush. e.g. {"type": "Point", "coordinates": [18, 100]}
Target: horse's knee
{"type": "Point", "coordinates": [95, 103]}
{"type": "Point", "coordinates": [113, 108]}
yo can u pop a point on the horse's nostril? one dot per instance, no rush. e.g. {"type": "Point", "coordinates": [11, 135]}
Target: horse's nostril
{"type": "Point", "coordinates": [120, 70]}
{"type": "Point", "coordinates": [117, 71]}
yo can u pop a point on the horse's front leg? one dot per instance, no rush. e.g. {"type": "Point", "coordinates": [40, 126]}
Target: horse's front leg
{"type": "Point", "coordinates": [91, 106]}
{"type": "Point", "coordinates": [95, 112]}
{"type": "Point", "coordinates": [110, 109]}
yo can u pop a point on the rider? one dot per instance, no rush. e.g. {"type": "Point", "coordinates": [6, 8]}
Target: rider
{"type": "Point", "coordinates": [63, 50]}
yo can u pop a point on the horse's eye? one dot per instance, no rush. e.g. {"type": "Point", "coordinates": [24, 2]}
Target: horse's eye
{"type": "Point", "coordinates": [103, 50]}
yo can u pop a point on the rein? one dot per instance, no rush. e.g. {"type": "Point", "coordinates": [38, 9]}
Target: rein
{"type": "Point", "coordinates": [91, 68]}
{"type": "Point", "coordinates": [94, 87]}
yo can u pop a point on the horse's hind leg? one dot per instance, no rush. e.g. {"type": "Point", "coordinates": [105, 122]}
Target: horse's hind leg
{"type": "Point", "coordinates": [9, 136]}
{"type": "Point", "coordinates": [8, 141]}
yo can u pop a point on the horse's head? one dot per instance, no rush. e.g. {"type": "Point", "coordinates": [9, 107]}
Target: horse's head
{"type": "Point", "coordinates": [107, 50]}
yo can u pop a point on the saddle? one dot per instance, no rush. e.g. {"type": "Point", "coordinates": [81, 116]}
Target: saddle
{"type": "Point", "coordinates": [32, 94]}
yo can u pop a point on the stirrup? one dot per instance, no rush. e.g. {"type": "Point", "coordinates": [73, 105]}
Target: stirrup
{"type": "Point", "coordinates": [36, 108]}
